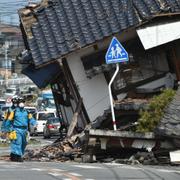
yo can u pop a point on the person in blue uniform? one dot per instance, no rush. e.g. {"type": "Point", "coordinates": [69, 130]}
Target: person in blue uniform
{"type": "Point", "coordinates": [7, 113]}
{"type": "Point", "coordinates": [17, 125]}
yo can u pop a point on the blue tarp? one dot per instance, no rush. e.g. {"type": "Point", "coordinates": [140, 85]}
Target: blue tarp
{"type": "Point", "coordinates": [44, 75]}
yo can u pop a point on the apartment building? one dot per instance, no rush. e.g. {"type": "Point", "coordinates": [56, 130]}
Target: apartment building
{"type": "Point", "coordinates": [11, 44]}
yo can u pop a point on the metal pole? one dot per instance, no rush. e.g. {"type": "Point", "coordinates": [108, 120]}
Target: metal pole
{"type": "Point", "coordinates": [111, 98]}
{"type": "Point", "coordinates": [6, 63]}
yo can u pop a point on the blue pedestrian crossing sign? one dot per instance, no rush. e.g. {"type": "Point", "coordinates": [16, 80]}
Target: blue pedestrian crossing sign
{"type": "Point", "coordinates": [116, 52]}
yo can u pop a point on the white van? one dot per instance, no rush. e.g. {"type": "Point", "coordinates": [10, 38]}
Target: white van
{"type": "Point", "coordinates": [41, 117]}
{"type": "Point", "coordinates": [10, 92]}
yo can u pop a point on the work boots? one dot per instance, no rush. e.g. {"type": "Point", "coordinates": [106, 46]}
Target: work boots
{"type": "Point", "coordinates": [16, 158]}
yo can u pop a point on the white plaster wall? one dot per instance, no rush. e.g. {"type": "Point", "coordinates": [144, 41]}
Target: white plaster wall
{"type": "Point", "coordinates": [157, 34]}
{"type": "Point", "coordinates": [93, 91]}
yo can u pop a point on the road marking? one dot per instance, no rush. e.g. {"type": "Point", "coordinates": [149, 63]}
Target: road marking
{"type": "Point", "coordinates": [55, 174]}
{"type": "Point", "coordinates": [87, 167]}
{"type": "Point", "coordinates": [59, 170]}
{"type": "Point", "coordinates": [124, 166]}
{"type": "Point", "coordinates": [2, 162]}
{"type": "Point", "coordinates": [168, 171]}
{"type": "Point", "coordinates": [114, 164]}
{"type": "Point", "coordinates": [75, 174]}
{"type": "Point", "coordinates": [11, 166]}
{"type": "Point", "coordinates": [37, 169]}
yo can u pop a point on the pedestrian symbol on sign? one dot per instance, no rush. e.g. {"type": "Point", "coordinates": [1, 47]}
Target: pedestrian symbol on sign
{"type": "Point", "coordinates": [116, 52]}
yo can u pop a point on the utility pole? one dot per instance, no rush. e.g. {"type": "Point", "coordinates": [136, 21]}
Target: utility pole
{"type": "Point", "coordinates": [6, 46]}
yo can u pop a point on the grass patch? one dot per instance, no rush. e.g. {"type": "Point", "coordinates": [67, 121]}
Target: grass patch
{"type": "Point", "coordinates": [150, 118]}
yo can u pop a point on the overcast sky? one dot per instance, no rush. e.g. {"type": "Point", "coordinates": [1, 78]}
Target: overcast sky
{"type": "Point", "coordinates": [8, 10]}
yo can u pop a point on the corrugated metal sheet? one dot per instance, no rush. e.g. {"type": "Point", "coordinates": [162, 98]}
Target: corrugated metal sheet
{"type": "Point", "coordinates": [63, 26]}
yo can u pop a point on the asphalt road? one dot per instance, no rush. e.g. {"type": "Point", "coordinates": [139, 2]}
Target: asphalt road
{"type": "Point", "coordinates": [42, 142]}
{"type": "Point", "coordinates": [78, 171]}
{"type": "Point", "coordinates": [75, 171]}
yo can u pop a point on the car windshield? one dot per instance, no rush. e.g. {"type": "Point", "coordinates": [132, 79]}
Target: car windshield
{"type": "Point", "coordinates": [10, 90]}
{"type": "Point", "coordinates": [44, 116]}
{"type": "Point", "coordinates": [5, 108]}
{"type": "Point", "coordinates": [31, 110]}
{"type": "Point", "coordinates": [52, 121]}
{"type": "Point", "coordinates": [2, 102]}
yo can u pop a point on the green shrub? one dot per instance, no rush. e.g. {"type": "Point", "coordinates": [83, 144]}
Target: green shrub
{"type": "Point", "coordinates": [151, 117]}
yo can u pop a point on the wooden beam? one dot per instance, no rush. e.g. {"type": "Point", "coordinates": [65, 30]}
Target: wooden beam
{"type": "Point", "coordinates": [132, 86]}
{"type": "Point", "coordinates": [74, 119]}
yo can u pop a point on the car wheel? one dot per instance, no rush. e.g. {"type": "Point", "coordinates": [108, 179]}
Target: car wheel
{"type": "Point", "coordinates": [46, 135]}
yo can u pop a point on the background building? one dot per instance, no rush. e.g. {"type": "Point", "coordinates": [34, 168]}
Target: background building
{"type": "Point", "coordinates": [11, 44]}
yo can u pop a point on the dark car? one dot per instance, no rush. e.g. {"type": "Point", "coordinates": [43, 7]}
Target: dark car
{"type": "Point", "coordinates": [52, 127]}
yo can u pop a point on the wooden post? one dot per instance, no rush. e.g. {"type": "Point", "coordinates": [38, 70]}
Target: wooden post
{"type": "Point", "coordinates": [176, 62]}
{"type": "Point", "coordinates": [74, 119]}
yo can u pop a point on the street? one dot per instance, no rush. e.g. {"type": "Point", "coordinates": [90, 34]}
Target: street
{"type": "Point", "coordinates": [41, 142]}
{"type": "Point", "coordinates": [76, 171]}
{"type": "Point", "coordinates": [89, 90]}
{"type": "Point", "coordinates": [81, 171]}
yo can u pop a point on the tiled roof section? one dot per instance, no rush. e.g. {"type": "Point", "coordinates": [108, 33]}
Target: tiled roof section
{"type": "Point", "coordinates": [63, 26]}
{"type": "Point", "coordinates": [170, 123]}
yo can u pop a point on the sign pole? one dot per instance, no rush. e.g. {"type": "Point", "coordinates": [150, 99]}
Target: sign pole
{"type": "Point", "coordinates": [115, 54]}
{"type": "Point", "coordinates": [111, 97]}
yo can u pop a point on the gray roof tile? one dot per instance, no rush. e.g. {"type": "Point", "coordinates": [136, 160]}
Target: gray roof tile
{"type": "Point", "coordinates": [171, 120]}
{"type": "Point", "coordinates": [62, 26]}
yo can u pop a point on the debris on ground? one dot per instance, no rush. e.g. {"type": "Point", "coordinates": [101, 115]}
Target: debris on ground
{"type": "Point", "coordinates": [59, 151]}
{"type": "Point", "coordinates": [99, 143]}
{"type": "Point", "coordinates": [4, 158]}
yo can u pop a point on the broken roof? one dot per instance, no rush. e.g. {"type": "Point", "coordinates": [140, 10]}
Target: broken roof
{"type": "Point", "coordinates": [55, 28]}
{"type": "Point", "coordinates": [170, 123]}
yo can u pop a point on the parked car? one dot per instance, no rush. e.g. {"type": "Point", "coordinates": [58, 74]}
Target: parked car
{"type": "Point", "coordinates": [31, 110]}
{"type": "Point", "coordinates": [10, 92]}
{"type": "Point", "coordinates": [3, 109]}
{"type": "Point", "coordinates": [52, 127]}
{"type": "Point", "coordinates": [2, 102]}
{"type": "Point", "coordinates": [42, 117]}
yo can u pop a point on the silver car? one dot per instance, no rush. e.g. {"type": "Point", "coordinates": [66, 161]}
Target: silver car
{"type": "Point", "coordinates": [52, 127]}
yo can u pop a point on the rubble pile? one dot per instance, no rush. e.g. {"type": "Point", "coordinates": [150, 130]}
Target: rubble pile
{"type": "Point", "coordinates": [4, 158]}
{"type": "Point", "coordinates": [131, 104]}
{"type": "Point", "coordinates": [58, 151]}
{"type": "Point", "coordinates": [145, 158]}
{"type": "Point", "coordinates": [123, 108]}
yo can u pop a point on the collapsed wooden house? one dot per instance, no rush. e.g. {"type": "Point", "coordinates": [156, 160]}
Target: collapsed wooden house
{"type": "Point", "coordinates": [66, 42]}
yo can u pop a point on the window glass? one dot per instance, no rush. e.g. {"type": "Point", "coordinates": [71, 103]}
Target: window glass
{"type": "Point", "coordinates": [44, 116]}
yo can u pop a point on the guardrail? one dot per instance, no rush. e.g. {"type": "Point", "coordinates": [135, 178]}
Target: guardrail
{"type": "Point", "coordinates": [15, 81]}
